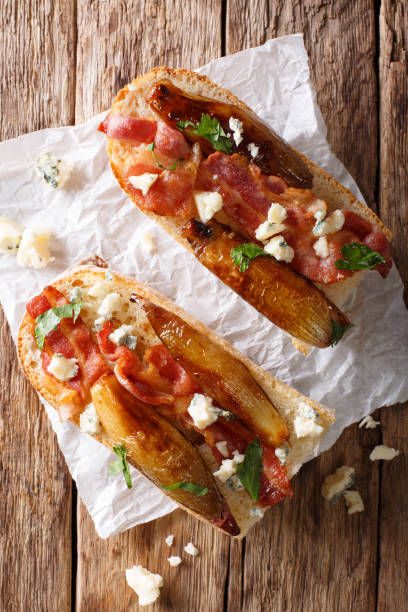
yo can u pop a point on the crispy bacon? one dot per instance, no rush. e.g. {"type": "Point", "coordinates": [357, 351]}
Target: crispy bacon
{"type": "Point", "coordinates": [243, 197]}
{"type": "Point", "coordinates": [171, 142]}
{"type": "Point", "coordinates": [73, 340]}
{"type": "Point", "coordinates": [370, 235]}
{"type": "Point", "coordinates": [299, 235]}
{"type": "Point", "coordinates": [172, 194]}
{"type": "Point", "coordinates": [171, 370]}
{"type": "Point", "coordinates": [247, 196]}
{"type": "Point", "coordinates": [275, 483]}
{"type": "Point", "coordinates": [145, 383]}
{"type": "Point", "coordinates": [128, 129]}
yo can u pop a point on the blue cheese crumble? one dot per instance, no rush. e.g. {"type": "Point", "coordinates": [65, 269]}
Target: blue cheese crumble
{"type": "Point", "coordinates": [53, 171]}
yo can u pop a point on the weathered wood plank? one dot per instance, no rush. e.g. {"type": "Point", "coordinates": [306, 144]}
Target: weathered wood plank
{"type": "Point", "coordinates": [37, 81]}
{"type": "Point", "coordinates": [340, 40]}
{"type": "Point", "coordinates": [309, 555]}
{"type": "Point", "coordinates": [393, 533]}
{"type": "Point", "coordinates": [196, 584]}
{"type": "Point", "coordinates": [117, 41]}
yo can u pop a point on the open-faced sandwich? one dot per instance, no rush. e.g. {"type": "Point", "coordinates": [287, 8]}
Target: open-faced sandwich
{"type": "Point", "coordinates": [277, 229]}
{"type": "Point", "coordinates": [214, 431]}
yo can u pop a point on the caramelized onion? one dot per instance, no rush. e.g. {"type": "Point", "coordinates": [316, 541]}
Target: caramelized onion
{"type": "Point", "coordinates": [274, 157]}
{"type": "Point", "coordinates": [287, 299]}
{"type": "Point", "coordinates": [159, 450]}
{"type": "Point", "coordinates": [219, 374]}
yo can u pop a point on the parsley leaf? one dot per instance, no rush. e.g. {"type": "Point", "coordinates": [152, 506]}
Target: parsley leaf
{"type": "Point", "coordinates": [358, 257]}
{"type": "Point", "coordinates": [150, 147]}
{"type": "Point", "coordinates": [250, 470]}
{"type": "Point", "coordinates": [121, 465]}
{"type": "Point", "coordinates": [49, 320]}
{"type": "Point", "coordinates": [243, 254]}
{"type": "Point", "coordinates": [210, 129]}
{"type": "Point", "coordinates": [188, 486]}
{"type": "Point", "coordinates": [338, 331]}
{"type": "Point", "coordinates": [183, 124]}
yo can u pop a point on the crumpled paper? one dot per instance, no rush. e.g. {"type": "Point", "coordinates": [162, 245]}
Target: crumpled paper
{"type": "Point", "coordinates": [365, 371]}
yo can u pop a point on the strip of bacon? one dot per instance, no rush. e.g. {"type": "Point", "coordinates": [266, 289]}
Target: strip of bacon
{"type": "Point", "coordinates": [243, 197]}
{"type": "Point", "coordinates": [128, 129]}
{"type": "Point", "coordinates": [144, 383]}
{"type": "Point", "coordinates": [172, 193]}
{"type": "Point", "coordinates": [247, 196]}
{"type": "Point", "coordinates": [275, 483]}
{"type": "Point", "coordinates": [73, 340]}
{"type": "Point", "coordinates": [171, 143]}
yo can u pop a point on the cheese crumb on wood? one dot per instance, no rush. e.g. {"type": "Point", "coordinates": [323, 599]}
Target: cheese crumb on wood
{"type": "Point", "coordinates": [145, 584]}
{"type": "Point", "coordinates": [369, 423]}
{"type": "Point", "coordinates": [174, 561]}
{"type": "Point", "coordinates": [335, 484]}
{"type": "Point", "coordinates": [354, 502]}
{"type": "Point", "coordinates": [383, 452]}
{"type": "Point", "coordinates": [169, 540]}
{"type": "Point", "coordinates": [190, 549]}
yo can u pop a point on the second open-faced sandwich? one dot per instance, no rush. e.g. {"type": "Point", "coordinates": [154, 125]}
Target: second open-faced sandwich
{"type": "Point", "coordinates": [214, 431]}
{"type": "Point", "coordinates": [277, 229]}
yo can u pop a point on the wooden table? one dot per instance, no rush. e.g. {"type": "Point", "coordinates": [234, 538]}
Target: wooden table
{"type": "Point", "coordinates": [63, 61]}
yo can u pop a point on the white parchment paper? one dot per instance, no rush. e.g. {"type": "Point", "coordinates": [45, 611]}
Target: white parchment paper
{"type": "Point", "coordinates": [368, 368]}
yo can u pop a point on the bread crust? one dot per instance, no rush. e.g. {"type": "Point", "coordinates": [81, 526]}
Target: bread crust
{"type": "Point", "coordinates": [285, 399]}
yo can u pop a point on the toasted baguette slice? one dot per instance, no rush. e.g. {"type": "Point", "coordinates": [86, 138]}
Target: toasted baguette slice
{"type": "Point", "coordinates": [131, 101]}
{"type": "Point", "coordinates": [287, 401]}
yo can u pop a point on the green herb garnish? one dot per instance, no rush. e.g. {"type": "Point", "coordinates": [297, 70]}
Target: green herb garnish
{"type": "Point", "coordinates": [150, 147]}
{"type": "Point", "coordinates": [243, 254]}
{"type": "Point", "coordinates": [250, 470]}
{"type": "Point", "coordinates": [48, 321]}
{"type": "Point", "coordinates": [121, 465]}
{"type": "Point", "coordinates": [196, 489]}
{"type": "Point", "coordinates": [358, 257]}
{"type": "Point", "coordinates": [338, 331]}
{"type": "Point", "coordinates": [210, 129]}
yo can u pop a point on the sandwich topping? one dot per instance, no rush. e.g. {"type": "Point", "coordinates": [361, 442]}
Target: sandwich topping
{"type": "Point", "coordinates": [217, 160]}
{"type": "Point", "coordinates": [80, 359]}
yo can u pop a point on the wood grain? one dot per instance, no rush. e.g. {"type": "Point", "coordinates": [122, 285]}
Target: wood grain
{"type": "Point", "coordinates": [64, 61]}
{"type": "Point", "coordinates": [340, 39]}
{"type": "Point", "coordinates": [309, 555]}
{"type": "Point", "coordinates": [116, 41]}
{"type": "Point", "coordinates": [36, 90]}
{"type": "Point", "coordinates": [119, 40]}
{"type": "Point", "coordinates": [393, 533]}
